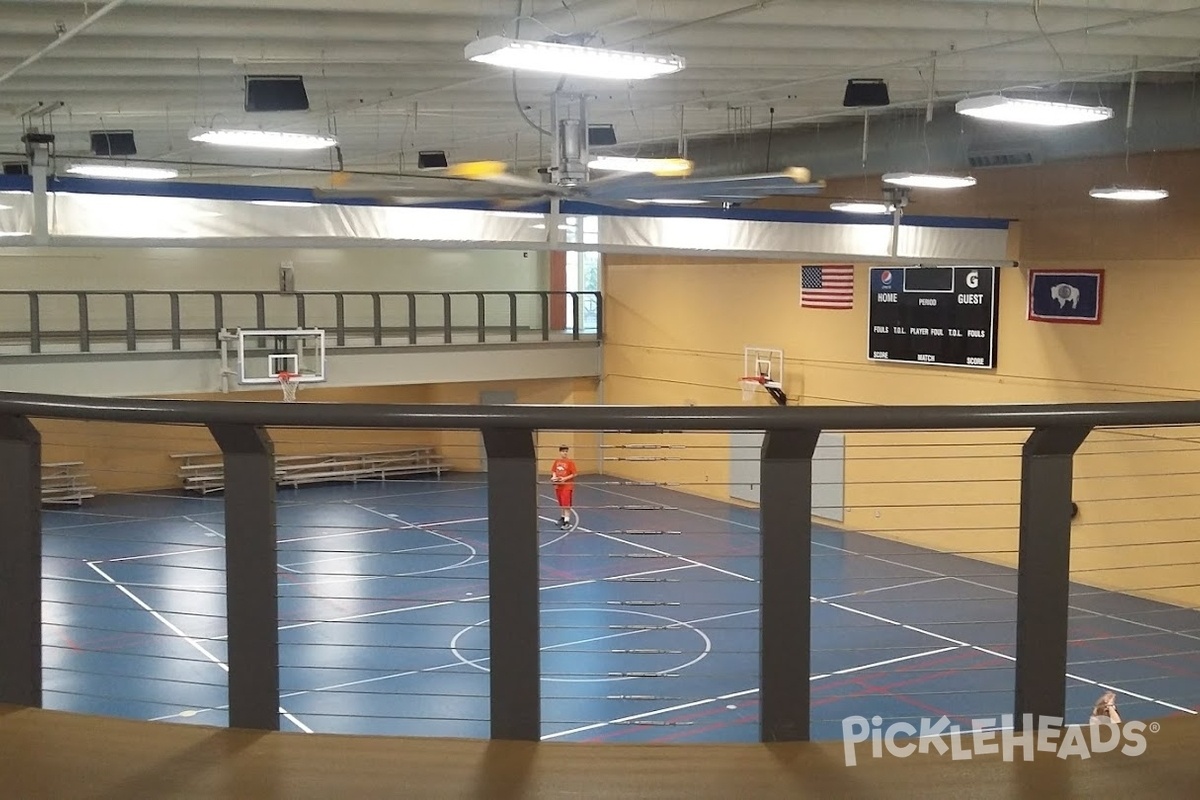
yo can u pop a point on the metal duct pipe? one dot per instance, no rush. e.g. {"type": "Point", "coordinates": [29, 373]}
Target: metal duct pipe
{"type": "Point", "coordinates": [66, 37]}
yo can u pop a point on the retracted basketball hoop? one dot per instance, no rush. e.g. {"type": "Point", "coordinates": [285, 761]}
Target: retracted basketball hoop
{"type": "Point", "coordinates": [289, 383]}
{"type": "Point", "coordinates": [752, 383]}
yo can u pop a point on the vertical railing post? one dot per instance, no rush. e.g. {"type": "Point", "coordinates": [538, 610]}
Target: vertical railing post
{"type": "Point", "coordinates": [599, 316]}
{"type": "Point", "coordinates": [412, 318]}
{"type": "Point", "coordinates": [575, 317]}
{"type": "Point", "coordinates": [785, 514]}
{"type": "Point", "coordinates": [447, 332]}
{"type": "Point", "coordinates": [35, 323]}
{"type": "Point", "coordinates": [512, 316]}
{"type": "Point", "coordinates": [481, 315]}
{"type": "Point", "coordinates": [1044, 572]}
{"type": "Point", "coordinates": [130, 322]}
{"type": "Point", "coordinates": [513, 584]}
{"type": "Point", "coordinates": [545, 300]}
{"type": "Point", "coordinates": [377, 318]}
{"type": "Point", "coordinates": [85, 333]}
{"type": "Point", "coordinates": [251, 580]}
{"type": "Point", "coordinates": [20, 562]}
{"type": "Point", "coordinates": [218, 315]}
{"type": "Point", "coordinates": [339, 306]}
{"type": "Point", "coordinates": [176, 333]}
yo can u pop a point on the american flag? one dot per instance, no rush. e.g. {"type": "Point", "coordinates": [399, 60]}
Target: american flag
{"type": "Point", "coordinates": [827, 287]}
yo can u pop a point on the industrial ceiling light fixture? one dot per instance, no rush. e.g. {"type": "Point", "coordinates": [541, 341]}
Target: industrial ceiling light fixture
{"type": "Point", "coordinates": [570, 59]}
{"type": "Point", "coordinates": [667, 201]}
{"type": "Point", "coordinates": [662, 167]}
{"type": "Point", "coordinates": [928, 181]}
{"type": "Point", "coordinates": [862, 207]}
{"type": "Point", "coordinates": [1045, 113]}
{"type": "Point", "coordinates": [284, 203]}
{"type": "Point", "coordinates": [262, 140]}
{"type": "Point", "coordinates": [1128, 193]}
{"type": "Point", "coordinates": [123, 172]}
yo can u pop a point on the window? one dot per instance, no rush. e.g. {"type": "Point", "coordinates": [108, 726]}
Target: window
{"type": "Point", "coordinates": [583, 272]}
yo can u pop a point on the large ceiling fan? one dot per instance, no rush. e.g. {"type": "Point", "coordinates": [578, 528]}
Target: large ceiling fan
{"type": "Point", "coordinates": [631, 182]}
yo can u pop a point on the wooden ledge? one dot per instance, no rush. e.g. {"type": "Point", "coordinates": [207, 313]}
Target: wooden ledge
{"type": "Point", "coordinates": [49, 754]}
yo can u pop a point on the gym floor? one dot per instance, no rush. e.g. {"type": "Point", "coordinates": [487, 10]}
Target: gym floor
{"type": "Point", "coordinates": [649, 610]}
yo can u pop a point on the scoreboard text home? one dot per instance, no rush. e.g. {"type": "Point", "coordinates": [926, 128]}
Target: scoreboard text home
{"type": "Point", "coordinates": [934, 315]}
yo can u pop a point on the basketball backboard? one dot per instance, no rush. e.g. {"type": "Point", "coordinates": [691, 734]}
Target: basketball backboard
{"type": "Point", "coordinates": [263, 354]}
{"type": "Point", "coordinates": [763, 362]}
{"type": "Point", "coordinates": [762, 370]}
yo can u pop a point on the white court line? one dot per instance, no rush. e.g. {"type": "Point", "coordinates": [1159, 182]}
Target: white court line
{"type": "Point", "coordinates": [156, 555]}
{"type": "Point", "coordinates": [475, 661]}
{"type": "Point", "coordinates": [939, 636]}
{"type": "Point", "coordinates": [634, 717]}
{"type": "Point", "coordinates": [661, 552]}
{"type": "Point", "coordinates": [862, 592]}
{"type": "Point", "coordinates": [352, 556]}
{"type": "Point", "coordinates": [896, 660]}
{"type": "Point", "coordinates": [478, 598]}
{"type": "Point", "coordinates": [985, 650]}
{"type": "Point", "coordinates": [179, 632]}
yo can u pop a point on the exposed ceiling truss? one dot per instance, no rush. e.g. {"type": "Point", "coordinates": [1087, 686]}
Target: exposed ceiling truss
{"type": "Point", "coordinates": [389, 78]}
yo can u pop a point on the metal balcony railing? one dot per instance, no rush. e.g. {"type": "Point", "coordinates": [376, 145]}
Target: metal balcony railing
{"type": "Point", "coordinates": [782, 591]}
{"type": "Point", "coordinates": [49, 322]}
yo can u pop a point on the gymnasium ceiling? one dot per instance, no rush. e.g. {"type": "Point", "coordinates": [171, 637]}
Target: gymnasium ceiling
{"type": "Point", "coordinates": [389, 78]}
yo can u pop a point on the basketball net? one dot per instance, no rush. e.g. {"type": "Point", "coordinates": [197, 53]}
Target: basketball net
{"type": "Point", "coordinates": [750, 385]}
{"type": "Point", "coordinates": [289, 384]}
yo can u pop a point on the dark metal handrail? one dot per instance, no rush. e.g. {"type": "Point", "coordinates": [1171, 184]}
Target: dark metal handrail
{"type": "Point", "coordinates": [785, 532]}
{"type": "Point", "coordinates": [606, 417]}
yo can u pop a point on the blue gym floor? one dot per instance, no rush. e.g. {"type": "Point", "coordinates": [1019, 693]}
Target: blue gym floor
{"type": "Point", "coordinates": [650, 626]}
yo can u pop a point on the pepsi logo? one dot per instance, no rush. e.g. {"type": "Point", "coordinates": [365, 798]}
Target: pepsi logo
{"type": "Point", "coordinates": [886, 277]}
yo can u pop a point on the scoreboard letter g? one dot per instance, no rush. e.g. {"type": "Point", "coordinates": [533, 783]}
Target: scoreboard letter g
{"type": "Point", "coordinates": [973, 279]}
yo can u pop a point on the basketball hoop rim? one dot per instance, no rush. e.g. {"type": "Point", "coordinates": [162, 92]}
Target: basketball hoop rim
{"type": "Point", "coordinates": [760, 380]}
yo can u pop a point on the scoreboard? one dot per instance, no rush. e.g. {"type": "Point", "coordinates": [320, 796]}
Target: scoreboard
{"type": "Point", "coordinates": [934, 315]}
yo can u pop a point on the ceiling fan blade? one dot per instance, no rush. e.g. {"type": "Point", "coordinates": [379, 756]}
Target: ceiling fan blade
{"type": "Point", "coordinates": [793, 181]}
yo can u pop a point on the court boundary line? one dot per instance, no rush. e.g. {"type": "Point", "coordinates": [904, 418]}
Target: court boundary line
{"type": "Point", "coordinates": [474, 598]}
{"type": "Point", "coordinates": [213, 500]}
{"type": "Point", "coordinates": [743, 693]}
{"type": "Point", "coordinates": [883, 560]}
{"type": "Point", "coordinates": [188, 639]}
{"type": "Point", "coordinates": [458, 663]}
{"type": "Point", "coordinates": [907, 626]}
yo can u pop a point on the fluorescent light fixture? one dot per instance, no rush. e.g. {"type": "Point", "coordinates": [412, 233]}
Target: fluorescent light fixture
{"type": "Point", "coordinates": [1128, 193]}
{"type": "Point", "coordinates": [923, 181]}
{"type": "Point", "coordinates": [1031, 112]}
{"type": "Point", "coordinates": [861, 207]}
{"type": "Point", "coordinates": [124, 172]}
{"type": "Point", "coordinates": [263, 140]}
{"type": "Point", "coordinates": [284, 203]}
{"type": "Point", "coordinates": [666, 201]}
{"type": "Point", "coordinates": [662, 167]}
{"type": "Point", "coordinates": [570, 59]}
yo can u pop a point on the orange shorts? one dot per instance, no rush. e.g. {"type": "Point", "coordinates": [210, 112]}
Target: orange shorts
{"type": "Point", "coordinates": [565, 492]}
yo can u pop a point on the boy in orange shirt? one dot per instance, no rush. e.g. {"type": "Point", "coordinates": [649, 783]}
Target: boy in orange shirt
{"type": "Point", "coordinates": [562, 475]}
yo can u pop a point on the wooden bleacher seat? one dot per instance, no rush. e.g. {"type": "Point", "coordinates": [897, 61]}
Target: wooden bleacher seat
{"type": "Point", "coordinates": [204, 472]}
{"type": "Point", "coordinates": [65, 483]}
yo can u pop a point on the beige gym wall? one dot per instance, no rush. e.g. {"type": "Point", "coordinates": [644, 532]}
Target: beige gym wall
{"type": "Point", "coordinates": [675, 330]}
{"type": "Point", "coordinates": [126, 457]}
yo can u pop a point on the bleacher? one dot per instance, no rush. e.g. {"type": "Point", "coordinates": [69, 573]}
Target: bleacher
{"type": "Point", "coordinates": [205, 472]}
{"type": "Point", "coordinates": [65, 483]}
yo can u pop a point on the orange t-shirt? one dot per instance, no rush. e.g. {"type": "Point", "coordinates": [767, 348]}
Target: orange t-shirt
{"type": "Point", "coordinates": [564, 468]}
